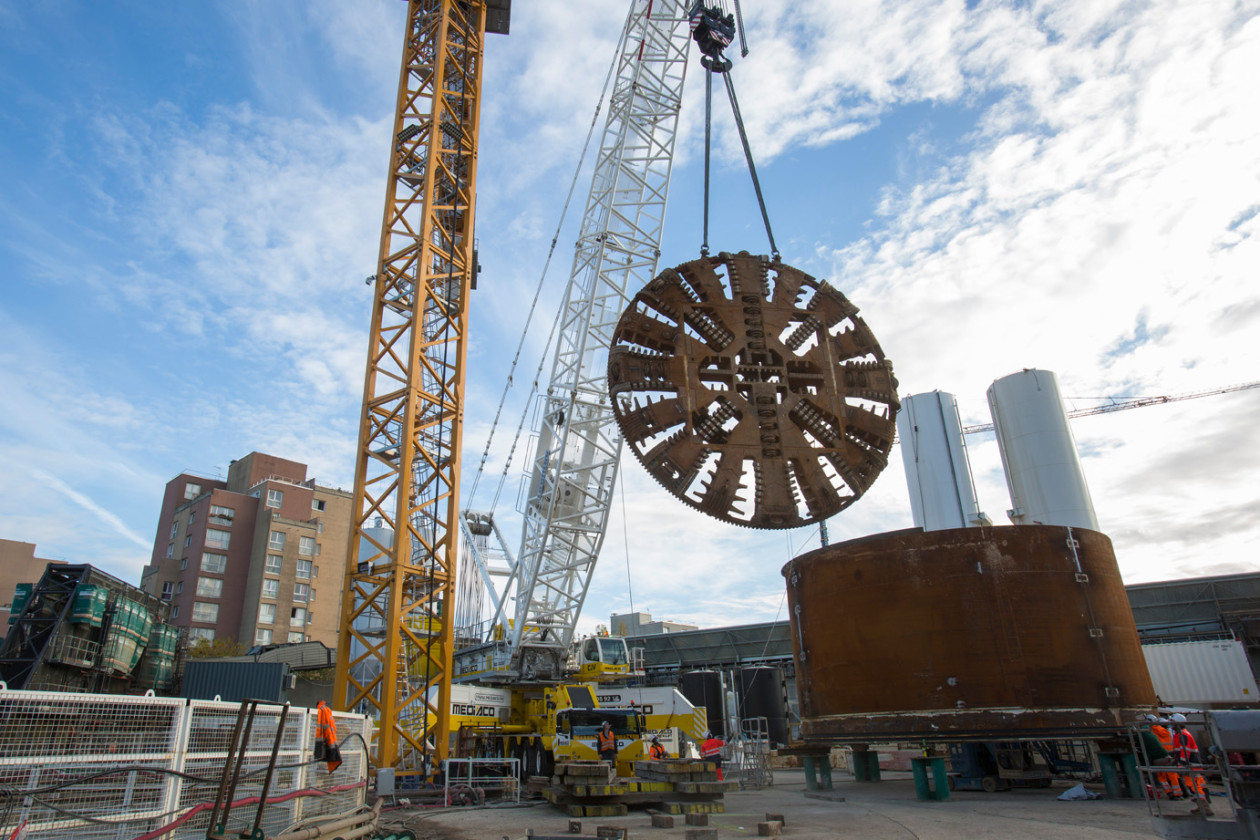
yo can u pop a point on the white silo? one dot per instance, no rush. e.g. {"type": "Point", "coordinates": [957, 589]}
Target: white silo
{"type": "Point", "coordinates": [938, 472]}
{"type": "Point", "coordinates": [1039, 455]}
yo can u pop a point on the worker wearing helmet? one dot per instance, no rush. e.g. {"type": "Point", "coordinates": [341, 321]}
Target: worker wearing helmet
{"type": "Point", "coordinates": [1186, 752]}
{"type": "Point", "coordinates": [711, 750]}
{"type": "Point", "coordinates": [1167, 785]}
{"type": "Point", "coordinates": [655, 751]}
{"type": "Point", "coordinates": [606, 742]}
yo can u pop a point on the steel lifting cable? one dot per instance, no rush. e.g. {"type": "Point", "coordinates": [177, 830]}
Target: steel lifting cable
{"type": "Point", "coordinates": [507, 386]}
{"type": "Point", "coordinates": [714, 62]}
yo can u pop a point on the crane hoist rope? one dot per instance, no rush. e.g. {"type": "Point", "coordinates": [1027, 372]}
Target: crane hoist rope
{"type": "Point", "coordinates": [712, 30]}
{"type": "Point", "coordinates": [525, 329]}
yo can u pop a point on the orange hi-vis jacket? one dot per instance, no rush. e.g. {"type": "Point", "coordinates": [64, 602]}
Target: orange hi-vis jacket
{"type": "Point", "coordinates": [711, 748]}
{"type": "Point", "coordinates": [607, 740]}
{"type": "Point", "coordinates": [656, 751]}
{"type": "Point", "coordinates": [326, 731]}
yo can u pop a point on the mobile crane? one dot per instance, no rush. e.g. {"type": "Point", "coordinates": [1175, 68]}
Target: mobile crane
{"type": "Point", "coordinates": [397, 638]}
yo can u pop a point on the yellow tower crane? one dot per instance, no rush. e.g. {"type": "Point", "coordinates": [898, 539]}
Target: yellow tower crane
{"type": "Point", "coordinates": [394, 650]}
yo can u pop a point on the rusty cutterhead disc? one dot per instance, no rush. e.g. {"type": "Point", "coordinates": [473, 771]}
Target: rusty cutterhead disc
{"type": "Point", "coordinates": [752, 391]}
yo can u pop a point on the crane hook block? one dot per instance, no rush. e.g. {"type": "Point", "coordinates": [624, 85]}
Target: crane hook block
{"type": "Point", "coordinates": [710, 29]}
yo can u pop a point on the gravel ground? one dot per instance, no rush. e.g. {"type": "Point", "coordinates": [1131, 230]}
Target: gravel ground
{"type": "Point", "coordinates": [886, 810]}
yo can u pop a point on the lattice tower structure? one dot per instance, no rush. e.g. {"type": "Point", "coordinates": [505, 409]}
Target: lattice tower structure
{"type": "Point", "coordinates": [574, 469]}
{"type": "Point", "coordinates": [395, 648]}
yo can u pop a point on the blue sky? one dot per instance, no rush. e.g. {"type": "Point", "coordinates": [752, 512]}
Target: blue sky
{"type": "Point", "coordinates": [192, 198]}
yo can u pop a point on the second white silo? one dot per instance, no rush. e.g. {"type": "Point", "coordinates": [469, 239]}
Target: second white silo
{"type": "Point", "coordinates": [938, 473]}
{"type": "Point", "coordinates": [1043, 470]}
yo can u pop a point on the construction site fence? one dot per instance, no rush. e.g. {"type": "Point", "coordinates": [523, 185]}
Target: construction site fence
{"type": "Point", "coordinates": [112, 767]}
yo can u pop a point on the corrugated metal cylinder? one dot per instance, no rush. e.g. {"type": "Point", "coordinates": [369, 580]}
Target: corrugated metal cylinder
{"type": "Point", "coordinates": [971, 632]}
{"type": "Point", "coordinates": [938, 474]}
{"type": "Point", "coordinates": [1043, 470]}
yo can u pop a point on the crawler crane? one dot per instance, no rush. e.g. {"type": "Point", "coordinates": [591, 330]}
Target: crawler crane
{"type": "Point", "coordinates": [398, 639]}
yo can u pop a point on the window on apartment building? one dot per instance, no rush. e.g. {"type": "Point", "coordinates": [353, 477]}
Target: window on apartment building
{"type": "Point", "coordinates": [174, 529]}
{"type": "Point", "coordinates": [170, 550]}
{"type": "Point", "coordinates": [215, 564]}
{"type": "Point", "coordinates": [175, 611]}
{"type": "Point", "coordinates": [270, 588]}
{"type": "Point", "coordinates": [192, 491]}
{"type": "Point", "coordinates": [275, 541]}
{"type": "Point", "coordinates": [314, 571]}
{"type": "Point", "coordinates": [187, 541]}
{"type": "Point", "coordinates": [274, 498]}
{"type": "Point", "coordinates": [295, 638]}
{"type": "Point", "coordinates": [262, 636]}
{"type": "Point", "coordinates": [266, 613]}
{"type": "Point", "coordinates": [220, 515]}
{"type": "Point", "coordinates": [316, 549]}
{"type": "Point", "coordinates": [273, 564]}
{"type": "Point", "coordinates": [202, 611]}
{"type": "Point", "coordinates": [183, 563]}
{"type": "Point", "coordinates": [218, 539]}
{"type": "Point", "coordinates": [168, 590]}
{"type": "Point", "coordinates": [318, 504]}
{"type": "Point", "coordinates": [179, 588]}
{"type": "Point", "coordinates": [319, 527]}
{"type": "Point", "coordinates": [301, 592]}
{"type": "Point", "coordinates": [192, 516]}
{"type": "Point", "coordinates": [209, 587]}
{"type": "Point", "coordinates": [306, 546]}
{"type": "Point", "coordinates": [297, 617]}
{"type": "Point", "coordinates": [304, 570]}
{"type": "Point", "coordinates": [196, 634]}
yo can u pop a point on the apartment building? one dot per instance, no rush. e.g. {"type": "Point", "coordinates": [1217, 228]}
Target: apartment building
{"type": "Point", "coordinates": [18, 564]}
{"type": "Point", "coordinates": [258, 558]}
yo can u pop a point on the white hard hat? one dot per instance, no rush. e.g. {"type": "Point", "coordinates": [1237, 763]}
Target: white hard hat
{"type": "Point", "coordinates": [1152, 719]}
{"type": "Point", "coordinates": [1178, 718]}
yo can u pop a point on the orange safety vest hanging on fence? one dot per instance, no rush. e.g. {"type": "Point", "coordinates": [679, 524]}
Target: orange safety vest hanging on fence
{"type": "Point", "coordinates": [326, 737]}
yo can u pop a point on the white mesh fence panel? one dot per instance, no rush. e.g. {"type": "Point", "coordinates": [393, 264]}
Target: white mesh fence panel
{"type": "Point", "coordinates": [108, 767]}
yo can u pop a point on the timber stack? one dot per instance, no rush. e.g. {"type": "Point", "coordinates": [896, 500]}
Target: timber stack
{"type": "Point", "coordinates": [670, 786]}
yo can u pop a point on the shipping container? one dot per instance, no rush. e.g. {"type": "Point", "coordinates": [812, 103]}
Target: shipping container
{"type": "Point", "coordinates": [206, 679]}
{"type": "Point", "coordinates": [1201, 673]}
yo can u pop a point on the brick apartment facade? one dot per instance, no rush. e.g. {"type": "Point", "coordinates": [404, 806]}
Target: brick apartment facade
{"type": "Point", "coordinates": [18, 564]}
{"type": "Point", "coordinates": [258, 558]}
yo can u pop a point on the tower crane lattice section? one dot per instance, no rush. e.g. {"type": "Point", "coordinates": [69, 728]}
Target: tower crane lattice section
{"type": "Point", "coordinates": [395, 646]}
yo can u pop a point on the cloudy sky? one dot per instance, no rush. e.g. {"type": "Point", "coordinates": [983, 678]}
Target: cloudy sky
{"type": "Point", "coordinates": [192, 197]}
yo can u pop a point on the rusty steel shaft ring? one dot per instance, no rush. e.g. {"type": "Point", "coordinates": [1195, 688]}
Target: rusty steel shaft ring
{"type": "Point", "coordinates": [752, 391]}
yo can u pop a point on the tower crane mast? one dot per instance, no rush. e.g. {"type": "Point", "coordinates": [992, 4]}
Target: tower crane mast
{"type": "Point", "coordinates": [394, 646]}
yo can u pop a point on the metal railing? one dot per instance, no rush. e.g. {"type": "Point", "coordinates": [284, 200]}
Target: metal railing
{"type": "Point", "coordinates": [111, 767]}
{"type": "Point", "coordinates": [483, 777]}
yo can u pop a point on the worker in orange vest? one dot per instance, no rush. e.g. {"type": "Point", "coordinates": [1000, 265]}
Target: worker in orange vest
{"type": "Point", "coordinates": [656, 752]}
{"type": "Point", "coordinates": [711, 750]}
{"type": "Point", "coordinates": [1185, 751]}
{"type": "Point", "coordinates": [326, 736]}
{"type": "Point", "coordinates": [1169, 783]}
{"type": "Point", "coordinates": [606, 742]}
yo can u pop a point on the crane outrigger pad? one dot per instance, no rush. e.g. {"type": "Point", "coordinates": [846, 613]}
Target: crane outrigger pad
{"type": "Point", "coordinates": [752, 391]}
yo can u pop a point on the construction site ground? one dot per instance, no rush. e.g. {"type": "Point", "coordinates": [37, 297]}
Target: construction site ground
{"type": "Point", "coordinates": [884, 810]}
